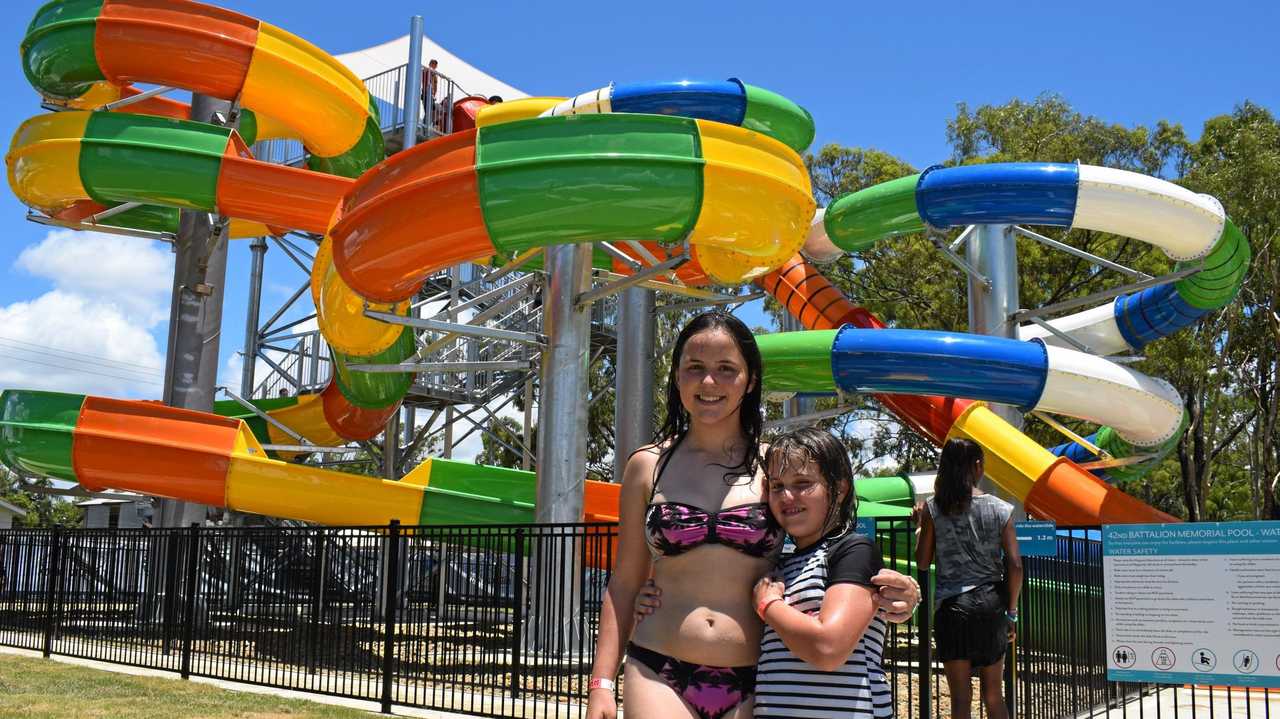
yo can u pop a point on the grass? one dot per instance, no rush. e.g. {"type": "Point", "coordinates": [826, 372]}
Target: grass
{"type": "Point", "coordinates": [40, 689]}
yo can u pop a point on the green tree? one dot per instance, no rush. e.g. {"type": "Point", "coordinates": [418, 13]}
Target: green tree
{"type": "Point", "coordinates": [42, 510]}
{"type": "Point", "coordinates": [503, 444]}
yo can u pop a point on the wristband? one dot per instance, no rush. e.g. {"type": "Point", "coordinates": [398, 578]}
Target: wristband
{"type": "Point", "coordinates": [601, 683]}
{"type": "Point", "coordinates": [1011, 616]}
{"type": "Point", "coordinates": [763, 607]}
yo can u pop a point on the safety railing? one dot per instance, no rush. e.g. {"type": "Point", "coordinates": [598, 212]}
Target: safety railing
{"type": "Point", "coordinates": [486, 620]}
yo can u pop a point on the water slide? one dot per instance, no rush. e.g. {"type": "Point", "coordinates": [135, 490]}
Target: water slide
{"type": "Point", "coordinates": [719, 170]}
{"type": "Point", "coordinates": [1140, 415]}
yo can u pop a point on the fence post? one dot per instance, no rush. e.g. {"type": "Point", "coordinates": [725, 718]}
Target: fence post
{"type": "Point", "coordinates": [517, 619]}
{"type": "Point", "coordinates": [171, 546]}
{"type": "Point", "coordinates": [52, 581]}
{"type": "Point", "coordinates": [389, 605]}
{"type": "Point", "coordinates": [924, 651]}
{"type": "Point", "coordinates": [317, 601]}
{"type": "Point", "coordinates": [189, 610]}
{"type": "Point", "coordinates": [1010, 693]}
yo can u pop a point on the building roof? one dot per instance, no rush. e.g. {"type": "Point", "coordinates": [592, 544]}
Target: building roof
{"type": "Point", "coordinates": [102, 500]}
{"type": "Point", "coordinates": [378, 59]}
{"type": "Point", "coordinates": [16, 511]}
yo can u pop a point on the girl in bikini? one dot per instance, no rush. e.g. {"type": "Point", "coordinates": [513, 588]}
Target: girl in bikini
{"type": "Point", "coordinates": [693, 513]}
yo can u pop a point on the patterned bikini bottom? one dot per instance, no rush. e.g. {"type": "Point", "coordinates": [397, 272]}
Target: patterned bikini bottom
{"type": "Point", "coordinates": [711, 692]}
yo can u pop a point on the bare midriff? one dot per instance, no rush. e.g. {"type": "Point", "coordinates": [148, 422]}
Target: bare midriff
{"type": "Point", "coordinates": [706, 615]}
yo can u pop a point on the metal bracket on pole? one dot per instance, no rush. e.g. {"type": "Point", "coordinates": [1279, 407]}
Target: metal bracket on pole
{"type": "Point", "coordinates": [1061, 335]}
{"type": "Point", "coordinates": [307, 448]}
{"type": "Point", "coordinates": [221, 230]}
{"type": "Point", "coordinates": [482, 366]}
{"type": "Point", "coordinates": [1090, 299]}
{"type": "Point", "coordinates": [1066, 432]}
{"type": "Point", "coordinates": [643, 251]}
{"type": "Point", "coordinates": [458, 328]}
{"type": "Point", "coordinates": [964, 236]}
{"type": "Point", "coordinates": [40, 219]}
{"type": "Point", "coordinates": [620, 256]}
{"type": "Point", "coordinates": [660, 285]}
{"type": "Point", "coordinates": [603, 291]}
{"type": "Point", "coordinates": [958, 261]}
{"type": "Point", "coordinates": [720, 300]}
{"type": "Point", "coordinates": [1076, 252]}
{"type": "Point", "coordinates": [249, 406]}
{"type": "Point", "coordinates": [810, 417]}
{"type": "Point", "coordinates": [111, 212]}
{"type": "Point", "coordinates": [1117, 462]}
{"type": "Point", "coordinates": [126, 101]}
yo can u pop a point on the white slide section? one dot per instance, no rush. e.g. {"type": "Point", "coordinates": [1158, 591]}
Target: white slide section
{"type": "Point", "coordinates": [595, 102]}
{"type": "Point", "coordinates": [1144, 410]}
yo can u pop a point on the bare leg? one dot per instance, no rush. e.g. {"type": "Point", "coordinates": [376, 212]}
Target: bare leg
{"type": "Point", "coordinates": [991, 679]}
{"type": "Point", "coordinates": [961, 687]}
{"type": "Point", "coordinates": [648, 697]}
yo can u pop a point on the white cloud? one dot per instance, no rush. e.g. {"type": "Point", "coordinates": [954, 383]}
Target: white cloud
{"type": "Point", "coordinates": [130, 273]}
{"type": "Point", "coordinates": [67, 342]}
{"type": "Point", "coordinates": [92, 333]}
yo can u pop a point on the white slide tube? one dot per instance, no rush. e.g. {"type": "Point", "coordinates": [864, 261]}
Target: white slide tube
{"type": "Point", "coordinates": [1144, 410]}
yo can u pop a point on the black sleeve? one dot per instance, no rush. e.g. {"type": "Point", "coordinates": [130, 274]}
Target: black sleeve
{"type": "Point", "coordinates": [853, 559]}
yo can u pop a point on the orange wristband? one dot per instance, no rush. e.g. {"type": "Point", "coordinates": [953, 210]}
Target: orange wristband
{"type": "Point", "coordinates": [763, 607]}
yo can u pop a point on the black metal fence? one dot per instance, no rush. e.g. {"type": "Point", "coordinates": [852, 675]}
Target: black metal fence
{"type": "Point", "coordinates": [492, 620]}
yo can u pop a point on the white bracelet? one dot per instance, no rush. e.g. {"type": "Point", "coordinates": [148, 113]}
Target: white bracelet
{"type": "Point", "coordinates": [601, 683]}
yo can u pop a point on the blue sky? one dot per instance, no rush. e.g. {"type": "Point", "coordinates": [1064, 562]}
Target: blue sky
{"type": "Point", "coordinates": [883, 75]}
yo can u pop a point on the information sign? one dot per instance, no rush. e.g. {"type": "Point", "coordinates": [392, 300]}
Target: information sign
{"type": "Point", "coordinates": [1193, 603]}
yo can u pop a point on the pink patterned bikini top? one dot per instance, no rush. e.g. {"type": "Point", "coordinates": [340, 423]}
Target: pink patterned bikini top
{"type": "Point", "coordinates": [675, 527]}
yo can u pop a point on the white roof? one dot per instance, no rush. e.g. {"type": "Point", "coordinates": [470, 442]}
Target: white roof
{"type": "Point", "coordinates": [96, 501]}
{"type": "Point", "coordinates": [380, 58]}
{"type": "Point", "coordinates": [16, 511]}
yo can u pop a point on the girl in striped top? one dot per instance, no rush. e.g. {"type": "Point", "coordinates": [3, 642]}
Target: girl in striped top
{"type": "Point", "coordinates": [820, 655]}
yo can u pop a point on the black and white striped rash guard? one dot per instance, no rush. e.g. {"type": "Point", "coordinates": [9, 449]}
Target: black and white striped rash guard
{"type": "Point", "coordinates": [787, 686]}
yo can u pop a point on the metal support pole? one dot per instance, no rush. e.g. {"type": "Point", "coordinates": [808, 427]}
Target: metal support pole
{"type": "Point", "coordinates": [195, 317]}
{"type": "Point", "coordinates": [526, 454]}
{"type": "Point", "coordinates": [633, 384]}
{"type": "Point", "coordinates": [413, 84]}
{"type": "Point", "coordinates": [391, 447]}
{"type": "Point", "coordinates": [259, 249]}
{"type": "Point", "coordinates": [992, 251]}
{"type": "Point", "coordinates": [455, 281]}
{"type": "Point", "coordinates": [390, 603]}
{"type": "Point", "coordinates": [556, 620]}
{"type": "Point", "coordinates": [562, 406]}
{"type": "Point", "coordinates": [410, 420]}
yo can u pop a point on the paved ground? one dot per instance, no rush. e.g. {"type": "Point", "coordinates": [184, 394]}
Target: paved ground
{"type": "Point", "coordinates": [1183, 702]}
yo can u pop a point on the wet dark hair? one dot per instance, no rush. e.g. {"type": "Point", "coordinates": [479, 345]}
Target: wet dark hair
{"type": "Point", "coordinates": [823, 449]}
{"type": "Point", "coordinates": [958, 474]}
{"type": "Point", "coordinates": [676, 426]}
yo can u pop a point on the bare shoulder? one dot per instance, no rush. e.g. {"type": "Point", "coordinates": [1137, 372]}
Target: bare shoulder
{"type": "Point", "coordinates": [638, 474]}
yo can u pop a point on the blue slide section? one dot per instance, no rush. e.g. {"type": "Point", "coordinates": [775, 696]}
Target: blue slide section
{"type": "Point", "coordinates": [1078, 454]}
{"type": "Point", "coordinates": [1036, 193]}
{"type": "Point", "coordinates": [1153, 313]}
{"type": "Point", "coordinates": [718, 101]}
{"type": "Point", "coordinates": [950, 364]}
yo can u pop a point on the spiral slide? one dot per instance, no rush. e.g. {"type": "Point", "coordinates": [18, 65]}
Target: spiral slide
{"type": "Point", "coordinates": [1139, 414]}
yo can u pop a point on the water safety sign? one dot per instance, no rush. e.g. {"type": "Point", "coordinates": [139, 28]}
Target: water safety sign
{"type": "Point", "coordinates": [1193, 603]}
